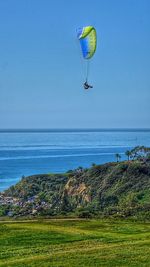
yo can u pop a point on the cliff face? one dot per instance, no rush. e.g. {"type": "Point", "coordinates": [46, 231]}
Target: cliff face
{"type": "Point", "coordinates": [116, 189]}
{"type": "Point", "coordinates": [77, 190]}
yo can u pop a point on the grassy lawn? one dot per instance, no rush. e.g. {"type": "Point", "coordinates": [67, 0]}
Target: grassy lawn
{"type": "Point", "coordinates": [73, 243]}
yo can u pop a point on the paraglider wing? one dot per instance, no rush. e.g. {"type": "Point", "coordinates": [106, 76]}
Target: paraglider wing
{"type": "Point", "coordinates": [87, 38]}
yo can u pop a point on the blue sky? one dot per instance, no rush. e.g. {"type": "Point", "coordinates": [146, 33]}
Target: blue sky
{"type": "Point", "coordinates": [41, 74]}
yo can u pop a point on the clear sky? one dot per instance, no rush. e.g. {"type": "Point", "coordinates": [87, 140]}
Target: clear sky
{"type": "Point", "coordinates": [41, 74]}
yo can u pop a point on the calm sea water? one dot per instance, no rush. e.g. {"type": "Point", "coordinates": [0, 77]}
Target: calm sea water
{"type": "Point", "coordinates": [27, 153]}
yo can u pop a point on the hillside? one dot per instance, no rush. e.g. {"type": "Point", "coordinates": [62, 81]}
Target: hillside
{"type": "Point", "coordinates": [118, 189]}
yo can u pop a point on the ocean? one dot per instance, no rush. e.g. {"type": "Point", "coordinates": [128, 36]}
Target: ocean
{"type": "Point", "coordinates": [29, 152]}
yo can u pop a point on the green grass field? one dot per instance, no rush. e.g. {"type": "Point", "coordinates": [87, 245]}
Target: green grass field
{"type": "Point", "coordinates": [73, 243]}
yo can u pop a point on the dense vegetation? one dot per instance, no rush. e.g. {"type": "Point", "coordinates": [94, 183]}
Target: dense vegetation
{"type": "Point", "coordinates": [118, 189]}
{"type": "Point", "coordinates": [70, 243]}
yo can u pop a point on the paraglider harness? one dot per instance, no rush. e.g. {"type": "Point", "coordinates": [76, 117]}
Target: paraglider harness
{"type": "Point", "coordinates": [87, 86]}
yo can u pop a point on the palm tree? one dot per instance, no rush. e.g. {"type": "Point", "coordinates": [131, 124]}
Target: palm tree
{"type": "Point", "coordinates": [128, 154]}
{"type": "Point", "coordinates": [118, 157]}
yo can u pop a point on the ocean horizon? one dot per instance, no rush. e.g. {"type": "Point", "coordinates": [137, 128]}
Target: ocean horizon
{"type": "Point", "coordinates": [25, 152]}
{"type": "Point", "coordinates": [3, 130]}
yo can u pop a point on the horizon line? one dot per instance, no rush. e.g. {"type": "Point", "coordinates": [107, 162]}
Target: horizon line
{"type": "Point", "coordinates": [4, 130]}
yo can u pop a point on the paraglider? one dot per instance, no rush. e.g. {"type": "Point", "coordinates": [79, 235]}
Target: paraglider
{"type": "Point", "coordinates": [87, 86]}
{"type": "Point", "coordinates": [88, 40]}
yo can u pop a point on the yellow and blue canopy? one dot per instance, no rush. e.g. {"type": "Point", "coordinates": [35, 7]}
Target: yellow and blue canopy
{"type": "Point", "coordinates": [88, 40]}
